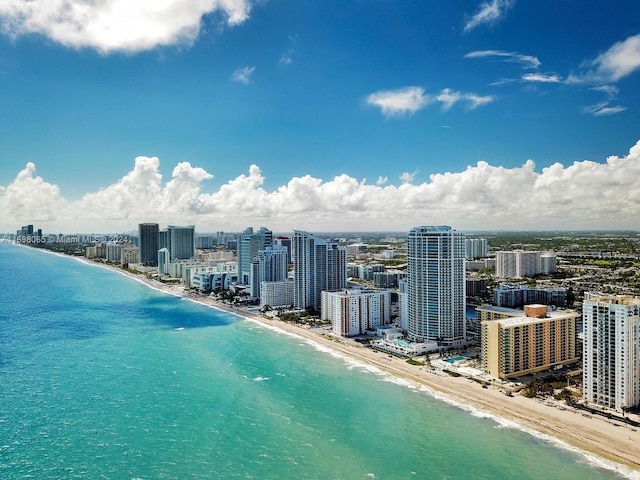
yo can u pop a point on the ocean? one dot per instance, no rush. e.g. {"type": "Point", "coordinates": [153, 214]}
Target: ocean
{"type": "Point", "coordinates": [102, 377]}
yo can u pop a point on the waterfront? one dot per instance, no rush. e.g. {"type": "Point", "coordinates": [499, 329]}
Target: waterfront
{"type": "Point", "coordinates": [102, 377]}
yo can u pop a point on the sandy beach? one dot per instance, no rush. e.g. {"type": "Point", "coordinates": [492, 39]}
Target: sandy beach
{"type": "Point", "coordinates": [609, 440]}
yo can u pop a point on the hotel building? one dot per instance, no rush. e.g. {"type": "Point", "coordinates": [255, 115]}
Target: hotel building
{"type": "Point", "coordinates": [611, 356]}
{"type": "Point", "coordinates": [520, 345]}
{"type": "Point", "coordinates": [436, 285]}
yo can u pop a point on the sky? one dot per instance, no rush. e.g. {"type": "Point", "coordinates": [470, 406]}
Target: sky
{"type": "Point", "coordinates": [332, 115]}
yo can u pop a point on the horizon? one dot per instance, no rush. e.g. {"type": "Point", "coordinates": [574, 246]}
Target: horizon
{"type": "Point", "coordinates": [488, 115]}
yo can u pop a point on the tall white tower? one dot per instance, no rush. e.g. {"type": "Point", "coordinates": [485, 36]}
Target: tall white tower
{"type": "Point", "coordinates": [436, 285]}
{"type": "Point", "coordinates": [611, 352]}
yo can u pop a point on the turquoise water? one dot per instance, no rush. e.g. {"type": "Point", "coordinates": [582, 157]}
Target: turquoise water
{"type": "Point", "coordinates": [96, 382]}
{"type": "Point", "coordinates": [455, 359]}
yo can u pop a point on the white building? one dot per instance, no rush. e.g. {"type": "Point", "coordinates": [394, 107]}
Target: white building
{"type": "Point", "coordinates": [269, 265]}
{"type": "Point", "coordinates": [354, 311]}
{"type": "Point", "coordinates": [276, 294]}
{"type": "Point", "coordinates": [517, 264]}
{"type": "Point", "coordinates": [611, 351]}
{"type": "Point", "coordinates": [476, 248]}
{"type": "Point", "coordinates": [548, 263]}
{"type": "Point", "coordinates": [436, 285]}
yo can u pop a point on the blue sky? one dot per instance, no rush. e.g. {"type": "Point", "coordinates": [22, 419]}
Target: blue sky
{"type": "Point", "coordinates": [310, 114]}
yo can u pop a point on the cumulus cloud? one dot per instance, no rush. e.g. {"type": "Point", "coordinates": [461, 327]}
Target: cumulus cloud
{"type": "Point", "coordinates": [117, 25]}
{"type": "Point", "coordinates": [488, 13]}
{"type": "Point", "coordinates": [409, 100]}
{"type": "Point", "coordinates": [243, 75]}
{"type": "Point", "coordinates": [584, 195]}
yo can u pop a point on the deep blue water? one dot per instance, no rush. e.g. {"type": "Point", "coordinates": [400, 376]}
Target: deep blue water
{"type": "Point", "coordinates": [97, 382]}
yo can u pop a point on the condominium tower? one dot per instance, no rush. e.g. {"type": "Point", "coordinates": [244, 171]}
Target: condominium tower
{"type": "Point", "coordinates": [148, 244]}
{"type": "Point", "coordinates": [611, 352]}
{"type": "Point", "coordinates": [436, 285]}
{"type": "Point", "coordinates": [249, 244]}
{"type": "Point", "coordinates": [318, 267]}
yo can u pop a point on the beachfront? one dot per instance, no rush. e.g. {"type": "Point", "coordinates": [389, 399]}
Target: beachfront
{"type": "Point", "coordinates": [605, 438]}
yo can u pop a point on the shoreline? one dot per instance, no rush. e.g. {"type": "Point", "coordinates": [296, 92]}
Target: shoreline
{"type": "Point", "coordinates": [601, 442]}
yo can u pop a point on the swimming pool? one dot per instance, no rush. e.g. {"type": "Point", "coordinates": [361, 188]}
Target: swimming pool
{"type": "Point", "coordinates": [455, 359]}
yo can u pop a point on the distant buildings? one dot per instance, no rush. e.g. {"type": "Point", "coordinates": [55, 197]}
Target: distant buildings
{"type": "Point", "coordinates": [354, 311]}
{"type": "Point", "coordinates": [529, 343]}
{"type": "Point", "coordinates": [476, 248]}
{"type": "Point", "coordinates": [436, 285]}
{"type": "Point", "coordinates": [507, 295]}
{"type": "Point", "coordinates": [611, 351]}
{"type": "Point", "coordinates": [521, 264]}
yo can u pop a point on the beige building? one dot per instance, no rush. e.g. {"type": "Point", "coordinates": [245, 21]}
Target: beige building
{"type": "Point", "coordinates": [537, 341]}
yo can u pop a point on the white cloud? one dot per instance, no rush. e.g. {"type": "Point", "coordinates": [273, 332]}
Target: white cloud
{"type": "Point", "coordinates": [541, 78]}
{"type": "Point", "coordinates": [602, 109]}
{"type": "Point", "coordinates": [488, 13]}
{"type": "Point", "coordinates": [382, 180]}
{"type": "Point", "coordinates": [583, 195]}
{"type": "Point", "coordinates": [243, 75]}
{"type": "Point", "coordinates": [527, 61]}
{"type": "Point", "coordinates": [406, 100]}
{"type": "Point", "coordinates": [116, 25]}
{"type": "Point", "coordinates": [620, 60]}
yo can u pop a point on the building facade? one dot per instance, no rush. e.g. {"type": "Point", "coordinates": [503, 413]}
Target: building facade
{"type": "Point", "coordinates": [611, 350]}
{"type": "Point", "coordinates": [148, 244]}
{"type": "Point", "coordinates": [436, 285]}
{"type": "Point", "coordinates": [537, 341]}
{"type": "Point", "coordinates": [269, 265]}
{"type": "Point", "coordinates": [517, 264]}
{"type": "Point", "coordinates": [249, 244]}
{"type": "Point", "coordinates": [353, 312]}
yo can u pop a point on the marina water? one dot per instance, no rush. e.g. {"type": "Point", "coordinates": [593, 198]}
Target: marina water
{"type": "Point", "coordinates": [102, 377]}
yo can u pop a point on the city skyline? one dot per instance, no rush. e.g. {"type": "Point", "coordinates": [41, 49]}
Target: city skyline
{"type": "Point", "coordinates": [496, 114]}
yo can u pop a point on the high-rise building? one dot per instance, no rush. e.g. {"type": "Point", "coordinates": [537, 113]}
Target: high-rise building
{"type": "Point", "coordinates": [309, 269]}
{"type": "Point", "coordinates": [284, 242]}
{"type": "Point", "coordinates": [249, 244]}
{"type": "Point", "coordinates": [476, 248]}
{"type": "Point", "coordinates": [611, 350]}
{"type": "Point", "coordinates": [336, 267]}
{"type": "Point", "coordinates": [517, 264]}
{"type": "Point", "coordinates": [318, 267]}
{"type": "Point", "coordinates": [164, 258]}
{"type": "Point", "coordinates": [353, 312]}
{"type": "Point", "coordinates": [182, 242]}
{"type": "Point", "coordinates": [269, 265]}
{"type": "Point", "coordinates": [436, 285]}
{"type": "Point", "coordinates": [148, 244]}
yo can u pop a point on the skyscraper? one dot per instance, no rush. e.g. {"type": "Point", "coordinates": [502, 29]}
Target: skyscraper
{"type": "Point", "coordinates": [182, 242]}
{"type": "Point", "coordinates": [269, 265]}
{"type": "Point", "coordinates": [436, 285]}
{"type": "Point", "coordinates": [148, 241]}
{"type": "Point", "coordinates": [249, 244]}
{"type": "Point", "coordinates": [611, 350]}
{"type": "Point", "coordinates": [318, 267]}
